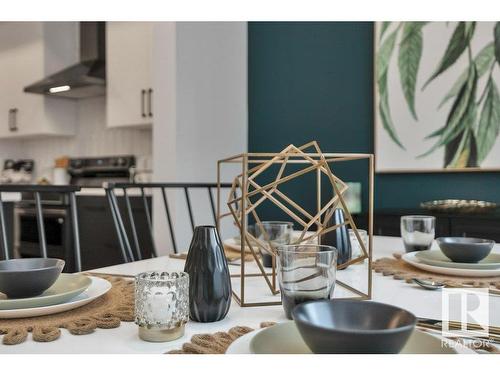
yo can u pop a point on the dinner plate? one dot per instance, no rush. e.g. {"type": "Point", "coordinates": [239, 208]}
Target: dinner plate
{"type": "Point", "coordinates": [284, 338]}
{"type": "Point", "coordinates": [97, 288]}
{"type": "Point", "coordinates": [412, 259]}
{"type": "Point", "coordinates": [438, 259]}
{"type": "Point", "coordinates": [66, 287]}
{"type": "Point", "coordinates": [234, 243]}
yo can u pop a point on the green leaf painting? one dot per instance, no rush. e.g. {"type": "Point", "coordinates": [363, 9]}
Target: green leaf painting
{"type": "Point", "coordinates": [384, 28]}
{"type": "Point", "coordinates": [489, 121]}
{"type": "Point", "coordinates": [410, 52]}
{"type": "Point", "coordinates": [383, 59]}
{"type": "Point", "coordinates": [456, 46]}
{"type": "Point", "coordinates": [471, 102]}
{"type": "Point", "coordinates": [497, 41]}
{"type": "Point", "coordinates": [482, 61]}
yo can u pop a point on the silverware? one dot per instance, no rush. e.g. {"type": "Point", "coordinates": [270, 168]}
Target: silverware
{"type": "Point", "coordinates": [454, 323]}
{"type": "Point", "coordinates": [477, 344]}
{"type": "Point", "coordinates": [436, 285]}
{"type": "Point", "coordinates": [429, 285]}
{"type": "Point", "coordinates": [435, 324]}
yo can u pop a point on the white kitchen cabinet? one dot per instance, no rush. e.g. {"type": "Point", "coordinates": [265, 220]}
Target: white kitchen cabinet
{"type": "Point", "coordinates": [129, 90]}
{"type": "Point", "coordinates": [24, 58]}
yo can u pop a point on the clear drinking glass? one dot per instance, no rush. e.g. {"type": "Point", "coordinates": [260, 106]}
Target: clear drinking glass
{"type": "Point", "coordinates": [274, 233]}
{"type": "Point", "coordinates": [418, 232]}
{"type": "Point", "coordinates": [161, 305]}
{"type": "Point", "coordinates": [356, 250]}
{"type": "Point", "coordinates": [306, 273]}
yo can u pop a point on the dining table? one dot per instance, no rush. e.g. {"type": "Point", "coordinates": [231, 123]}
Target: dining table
{"type": "Point", "coordinates": [125, 339]}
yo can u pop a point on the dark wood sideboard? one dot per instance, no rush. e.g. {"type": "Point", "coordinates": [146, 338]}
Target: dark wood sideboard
{"type": "Point", "coordinates": [483, 225]}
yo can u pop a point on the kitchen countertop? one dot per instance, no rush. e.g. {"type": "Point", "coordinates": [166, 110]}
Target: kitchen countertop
{"type": "Point", "coordinates": [97, 191]}
{"type": "Point", "coordinates": [11, 197]}
{"type": "Point", "coordinates": [16, 197]}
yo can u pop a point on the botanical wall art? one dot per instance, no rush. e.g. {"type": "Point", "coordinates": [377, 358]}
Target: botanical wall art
{"type": "Point", "coordinates": [436, 96]}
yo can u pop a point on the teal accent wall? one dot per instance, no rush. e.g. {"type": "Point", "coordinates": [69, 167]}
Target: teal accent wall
{"type": "Point", "coordinates": [314, 81]}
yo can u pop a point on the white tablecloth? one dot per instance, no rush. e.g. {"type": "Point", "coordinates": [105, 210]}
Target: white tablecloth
{"type": "Point", "coordinates": [125, 340]}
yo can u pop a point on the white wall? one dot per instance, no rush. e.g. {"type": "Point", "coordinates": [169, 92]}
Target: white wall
{"type": "Point", "coordinates": [164, 128]}
{"type": "Point", "coordinates": [201, 116]}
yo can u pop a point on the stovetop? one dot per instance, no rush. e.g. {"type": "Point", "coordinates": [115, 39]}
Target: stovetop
{"type": "Point", "coordinates": [93, 172]}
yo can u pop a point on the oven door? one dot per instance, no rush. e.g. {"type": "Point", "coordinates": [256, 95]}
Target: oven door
{"type": "Point", "coordinates": [27, 243]}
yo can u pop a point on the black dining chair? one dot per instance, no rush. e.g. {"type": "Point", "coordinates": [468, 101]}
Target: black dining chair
{"type": "Point", "coordinates": [36, 194]}
{"type": "Point", "coordinates": [125, 221]}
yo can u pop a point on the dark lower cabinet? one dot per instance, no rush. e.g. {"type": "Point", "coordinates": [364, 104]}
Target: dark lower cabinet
{"type": "Point", "coordinates": [98, 240]}
{"type": "Point", "coordinates": [9, 226]}
{"type": "Point", "coordinates": [479, 227]}
{"type": "Point", "coordinates": [387, 223]}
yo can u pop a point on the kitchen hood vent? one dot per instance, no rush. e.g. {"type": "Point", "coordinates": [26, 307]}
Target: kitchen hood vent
{"type": "Point", "coordinates": [85, 79]}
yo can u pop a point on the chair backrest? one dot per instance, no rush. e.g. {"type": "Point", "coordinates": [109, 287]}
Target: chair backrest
{"type": "Point", "coordinates": [125, 220]}
{"type": "Point", "coordinates": [37, 191]}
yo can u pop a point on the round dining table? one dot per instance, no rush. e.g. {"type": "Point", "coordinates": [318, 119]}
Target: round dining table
{"type": "Point", "coordinates": [125, 339]}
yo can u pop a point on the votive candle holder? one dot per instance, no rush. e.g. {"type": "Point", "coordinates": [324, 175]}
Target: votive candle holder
{"type": "Point", "coordinates": [161, 305]}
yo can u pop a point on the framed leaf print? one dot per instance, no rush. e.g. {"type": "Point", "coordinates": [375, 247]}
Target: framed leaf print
{"type": "Point", "coordinates": [437, 99]}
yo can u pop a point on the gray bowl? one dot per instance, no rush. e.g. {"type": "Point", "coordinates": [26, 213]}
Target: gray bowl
{"type": "Point", "coordinates": [349, 326]}
{"type": "Point", "coordinates": [28, 277]}
{"type": "Point", "coordinates": [465, 249]}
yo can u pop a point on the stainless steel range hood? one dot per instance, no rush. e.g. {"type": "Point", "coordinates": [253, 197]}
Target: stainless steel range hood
{"type": "Point", "coordinates": [85, 79]}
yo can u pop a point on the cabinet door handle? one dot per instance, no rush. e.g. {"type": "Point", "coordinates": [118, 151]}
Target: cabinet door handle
{"type": "Point", "coordinates": [150, 102]}
{"type": "Point", "coordinates": [13, 120]}
{"type": "Point", "coordinates": [143, 103]}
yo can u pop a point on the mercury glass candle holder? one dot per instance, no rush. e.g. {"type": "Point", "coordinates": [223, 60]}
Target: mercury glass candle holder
{"type": "Point", "coordinates": [161, 305]}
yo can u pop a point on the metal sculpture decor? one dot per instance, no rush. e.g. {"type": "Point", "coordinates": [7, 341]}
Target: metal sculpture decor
{"type": "Point", "coordinates": [246, 195]}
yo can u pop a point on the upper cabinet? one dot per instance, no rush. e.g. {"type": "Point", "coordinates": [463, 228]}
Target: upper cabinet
{"type": "Point", "coordinates": [25, 57]}
{"type": "Point", "coordinates": [129, 89]}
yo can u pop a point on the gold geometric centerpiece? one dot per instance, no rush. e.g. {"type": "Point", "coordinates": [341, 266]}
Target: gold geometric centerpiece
{"type": "Point", "coordinates": [262, 181]}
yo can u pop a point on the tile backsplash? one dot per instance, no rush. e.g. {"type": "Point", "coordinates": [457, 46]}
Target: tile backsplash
{"type": "Point", "coordinates": [92, 139]}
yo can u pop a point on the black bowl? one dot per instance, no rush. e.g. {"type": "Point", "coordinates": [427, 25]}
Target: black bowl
{"type": "Point", "coordinates": [465, 249]}
{"type": "Point", "coordinates": [28, 277]}
{"type": "Point", "coordinates": [349, 326]}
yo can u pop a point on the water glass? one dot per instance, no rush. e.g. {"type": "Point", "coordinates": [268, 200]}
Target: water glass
{"type": "Point", "coordinates": [306, 273]}
{"type": "Point", "coordinates": [274, 233]}
{"type": "Point", "coordinates": [418, 232]}
{"type": "Point", "coordinates": [161, 305]}
{"type": "Point", "coordinates": [356, 249]}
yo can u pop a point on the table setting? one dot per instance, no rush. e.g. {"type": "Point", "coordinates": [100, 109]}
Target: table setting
{"type": "Point", "coordinates": [314, 284]}
{"type": "Point", "coordinates": [245, 321]}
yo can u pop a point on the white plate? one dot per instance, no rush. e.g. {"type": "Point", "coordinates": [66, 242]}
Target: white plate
{"type": "Point", "coordinates": [234, 243]}
{"type": "Point", "coordinates": [96, 289]}
{"type": "Point", "coordinates": [437, 258]}
{"type": "Point", "coordinates": [410, 258]}
{"type": "Point", "coordinates": [67, 286]}
{"type": "Point", "coordinates": [284, 338]}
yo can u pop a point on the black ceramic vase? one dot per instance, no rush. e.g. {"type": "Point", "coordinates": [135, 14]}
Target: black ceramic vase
{"type": "Point", "coordinates": [338, 238]}
{"type": "Point", "coordinates": [209, 280]}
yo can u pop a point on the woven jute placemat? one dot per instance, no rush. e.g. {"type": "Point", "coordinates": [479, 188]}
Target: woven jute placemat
{"type": "Point", "coordinates": [215, 343]}
{"type": "Point", "coordinates": [105, 312]}
{"type": "Point", "coordinates": [400, 270]}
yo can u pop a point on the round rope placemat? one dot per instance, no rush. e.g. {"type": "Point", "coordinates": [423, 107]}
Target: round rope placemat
{"type": "Point", "coordinates": [400, 270]}
{"type": "Point", "coordinates": [215, 343]}
{"type": "Point", "coordinates": [105, 312]}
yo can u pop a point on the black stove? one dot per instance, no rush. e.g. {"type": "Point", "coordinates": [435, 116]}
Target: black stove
{"type": "Point", "coordinates": [93, 172]}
